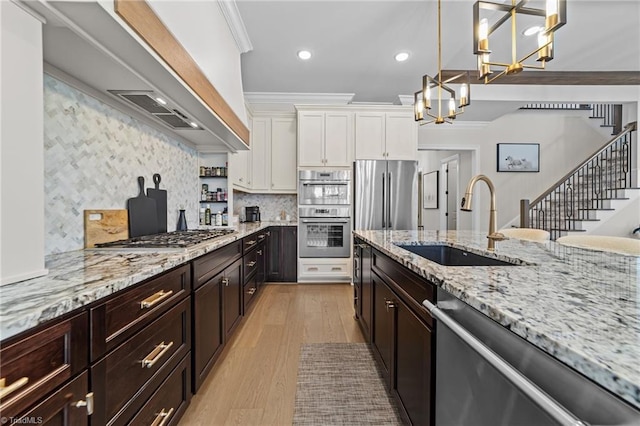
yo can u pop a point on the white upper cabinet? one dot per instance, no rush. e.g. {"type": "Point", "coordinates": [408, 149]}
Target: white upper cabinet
{"type": "Point", "coordinates": [370, 136]}
{"type": "Point", "coordinates": [270, 165]}
{"type": "Point", "coordinates": [260, 137]}
{"type": "Point", "coordinates": [283, 154]}
{"type": "Point", "coordinates": [325, 138]}
{"type": "Point", "coordinates": [388, 135]}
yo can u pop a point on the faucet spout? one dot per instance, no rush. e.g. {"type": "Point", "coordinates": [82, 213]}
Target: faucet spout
{"type": "Point", "coordinates": [492, 236]}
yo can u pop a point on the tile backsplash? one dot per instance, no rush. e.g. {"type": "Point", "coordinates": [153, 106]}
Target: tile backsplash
{"type": "Point", "coordinates": [270, 204]}
{"type": "Point", "coordinates": [93, 157]}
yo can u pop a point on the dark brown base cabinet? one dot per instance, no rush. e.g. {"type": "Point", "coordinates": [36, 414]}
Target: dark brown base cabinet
{"type": "Point", "coordinates": [363, 287]}
{"type": "Point", "coordinates": [283, 254]}
{"type": "Point", "coordinates": [402, 337]}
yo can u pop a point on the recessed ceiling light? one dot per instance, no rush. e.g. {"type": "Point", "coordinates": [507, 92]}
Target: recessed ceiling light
{"type": "Point", "coordinates": [532, 30]}
{"type": "Point", "coordinates": [193, 124]}
{"type": "Point", "coordinates": [304, 54]}
{"type": "Point", "coordinates": [402, 56]}
{"type": "Point", "coordinates": [161, 101]}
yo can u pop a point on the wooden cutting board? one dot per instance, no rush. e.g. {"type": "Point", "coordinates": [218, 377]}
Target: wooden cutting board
{"type": "Point", "coordinates": [104, 226]}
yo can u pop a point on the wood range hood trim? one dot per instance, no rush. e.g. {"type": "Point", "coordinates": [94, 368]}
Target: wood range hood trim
{"type": "Point", "coordinates": [144, 22]}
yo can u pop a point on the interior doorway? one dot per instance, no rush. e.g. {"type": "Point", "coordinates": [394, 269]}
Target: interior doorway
{"type": "Point", "coordinates": [449, 190]}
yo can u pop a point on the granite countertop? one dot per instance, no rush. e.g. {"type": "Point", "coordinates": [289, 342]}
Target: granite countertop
{"type": "Point", "coordinates": [581, 306]}
{"type": "Point", "coordinates": [78, 278]}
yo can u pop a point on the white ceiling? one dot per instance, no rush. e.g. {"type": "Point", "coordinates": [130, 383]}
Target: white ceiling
{"type": "Point", "coordinates": [354, 43]}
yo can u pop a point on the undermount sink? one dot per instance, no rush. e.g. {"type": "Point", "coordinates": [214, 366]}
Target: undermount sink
{"type": "Point", "coordinates": [451, 256]}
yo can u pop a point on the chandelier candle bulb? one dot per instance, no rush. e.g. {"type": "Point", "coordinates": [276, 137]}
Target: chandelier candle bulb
{"type": "Point", "coordinates": [483, 35]}
{"type": "Point", "coordinates": [452, 108]}
{"type": "Point", "coordinates": [418, 106]}
{"type": "Point", "coordinates": [552, 14]}
{"type": "Point", "coordinates": [545, 44]}
{"type": "Point", "coordinates": [463, 95]}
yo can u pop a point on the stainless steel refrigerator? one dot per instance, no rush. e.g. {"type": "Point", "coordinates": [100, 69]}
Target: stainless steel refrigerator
{"type": "Point", "coordinates": [385, 194]}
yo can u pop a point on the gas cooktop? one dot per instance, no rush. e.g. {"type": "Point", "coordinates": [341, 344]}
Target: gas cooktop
{"type": "Point", "coordinates": [176, 239]}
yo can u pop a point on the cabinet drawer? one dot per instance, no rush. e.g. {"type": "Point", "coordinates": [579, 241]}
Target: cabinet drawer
{"type": "Point", "coordinates": [126, 370]}
{"type": "Point", "coordinates": [328, 268]}
{"type": "Point", "coordinates": [117, 319]}
{"type": "Point", "coordinates": [250, 264]}
{"type": "Point", "coordinates": [412, 288]}
{"type": "Point", "coordinates": [36, 364]}
{"type": "Point", "coordinates": [250, 242]}
{"type": "Point", "coordinates": [212, 263]}
{"type": "Point", "coordinates": [250, 290]}
{"type": "Point", "coordinates": [60, 408]}
{"type": "Point", "coordinates": [169, 402]}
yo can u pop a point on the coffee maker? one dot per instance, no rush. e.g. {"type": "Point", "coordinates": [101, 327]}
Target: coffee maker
{"type": "Point", "coordinates": [252, 214]}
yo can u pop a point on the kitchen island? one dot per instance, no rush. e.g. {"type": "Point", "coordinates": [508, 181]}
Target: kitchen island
{"type": "Point", "coordinates": [580, 306]}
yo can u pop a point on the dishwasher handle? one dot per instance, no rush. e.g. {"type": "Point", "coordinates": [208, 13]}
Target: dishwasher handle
{"type": "Point", "coordinates": [548, 404]}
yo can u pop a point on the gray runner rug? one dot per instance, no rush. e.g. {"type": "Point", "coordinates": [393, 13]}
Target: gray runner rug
{"type": "Point", "coordinates": [339, 384]}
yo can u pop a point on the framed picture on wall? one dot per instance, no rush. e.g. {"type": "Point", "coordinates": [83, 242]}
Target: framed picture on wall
{"type": "Point", "coordinates": [518, 157]}
{"type": "Point", "coordinates": [430, 190]}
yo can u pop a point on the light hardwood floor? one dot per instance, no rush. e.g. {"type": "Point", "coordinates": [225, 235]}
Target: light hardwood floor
{"type": "Point", "coordinates": [254, 381]}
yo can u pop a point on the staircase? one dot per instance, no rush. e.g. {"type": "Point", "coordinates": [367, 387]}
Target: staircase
{"type": "Point", "coordinates": [610, 114]}
{"type": "Point", "coordinates": [588, 194]}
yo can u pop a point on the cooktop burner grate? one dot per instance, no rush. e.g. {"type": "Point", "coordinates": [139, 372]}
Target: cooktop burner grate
{"type": "Point", "coordinates": [176, 239]}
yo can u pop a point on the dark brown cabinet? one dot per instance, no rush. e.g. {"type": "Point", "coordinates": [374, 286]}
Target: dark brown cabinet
{"type": "Point", "coordinates": [363, 287]}
{"type": "Point", "coordinates": [33, 366]}
{"type": "Point", "coordinates": [283, 254]}
{"type": "Point", "coordinates": [402, 337]}
{"type": "Point", "coordinates": [232, 297]}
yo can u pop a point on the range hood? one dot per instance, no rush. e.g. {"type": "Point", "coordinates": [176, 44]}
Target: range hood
{"type": "Point", "coordinates": [89, 47]}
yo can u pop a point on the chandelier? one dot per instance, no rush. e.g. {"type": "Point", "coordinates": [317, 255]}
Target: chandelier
{"type": "Point", "coordinates": [554, 15]}
{"type": "Point", "coordinates": [425, 102]}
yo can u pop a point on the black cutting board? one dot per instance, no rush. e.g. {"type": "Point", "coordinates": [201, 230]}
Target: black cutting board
{"type": "Point", "coordinates": [160, 196]}
{"type": "Point", "coordinates": [143, 215]}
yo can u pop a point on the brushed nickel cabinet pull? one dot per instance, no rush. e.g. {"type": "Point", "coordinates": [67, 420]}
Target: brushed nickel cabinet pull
{"type": "Point", "coordinates": [252, 242]}
{"type": "Point", "coordinates": [225, 281]}
{"type": "Point", "coordinates": [155, 355]}
{"type": "Point", "coordinates": [6, 390]}
{"type": "Point", "coordinates": [336, 268]}
{"type": "Point", "coordinates": [162, 418]}
{"type": "Point", "coordinates": [312, 268]}
{"type": "Point", "coordinates": [86, 402]}
{"type": "Point", "coordinates": [154, 299]}
{"type": "Point", "coordinates": [252, 264]}
{"type": "Point", "coordinates": [252, 290]}
{"type": "Point", "coordinates": [259, 252]}
{"type": "Point", "coordinates": [261, 237]}
{"type": "Point", "coordinates": [389, 304]}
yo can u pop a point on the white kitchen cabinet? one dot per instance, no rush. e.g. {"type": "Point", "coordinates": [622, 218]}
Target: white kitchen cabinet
{"type": "Point", "coordinates": [260, 136]}
{"type": "Point", "coordinates": [385, 135]}
{"type": "Point", "coordinates": [283, 154]}
{"type": "Point", "coordinates": [325, 138]}
{"type": "Point", "coordinates": [324, 269]}
{"type": "Point", "coordinates": [270, 165]}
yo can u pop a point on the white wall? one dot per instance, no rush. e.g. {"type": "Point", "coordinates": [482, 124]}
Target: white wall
{"type": "Point", "coordinates": [21, 151]}
{"type": "Point", "coordinates": [565, 140]}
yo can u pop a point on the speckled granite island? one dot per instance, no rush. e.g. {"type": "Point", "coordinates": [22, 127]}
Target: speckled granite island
{"type": "Point", "coordinates": [80, 277]}
{"type": "Point", "coordinates": [580, 306]}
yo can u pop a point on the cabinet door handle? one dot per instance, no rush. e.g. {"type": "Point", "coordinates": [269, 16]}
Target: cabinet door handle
{"type": "Point", "coordinates": [225, 281]}
{"type": "Point", "coordinates": [389, 304]}
{"type": "Point", "coordinates": [155, 355]}
{"type": "Point", "coordinates": [86, 402]}
{"type": "Point", "coordinates": [312, 268]}
{"type": "Point", "coordinates": [252, 290]}
{"type": "Point", "coordinates": [252, 264]}
{"type": "Point", "coordinates": [252, 242]}
{"type": "Point", "coordinates": [259, 252]}
{"type": "Point", "coordinates": [154, 299]}
{"type": "Point", "coordinates": [162, 418]}
{"type": "Point", "coordinates": [336, 268]}
{"type": "Point", "coordinates": [6, 390]}
{"type": "Point", "coordinates": [261, 237]}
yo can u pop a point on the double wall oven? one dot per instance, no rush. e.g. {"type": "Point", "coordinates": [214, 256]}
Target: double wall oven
{"type": "Point", "coordinates": [324, 214]}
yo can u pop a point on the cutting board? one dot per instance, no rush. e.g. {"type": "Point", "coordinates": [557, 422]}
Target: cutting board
{"type": "Point", "coordinates": [143, 216]}
{"type": "Point", "coordinates": [104, 226]}
{"type": "Point", "coordinates": [160, 195]}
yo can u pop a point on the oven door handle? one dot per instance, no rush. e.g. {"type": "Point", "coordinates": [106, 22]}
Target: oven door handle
{"type": "Point", "coordinates": [325, 220]}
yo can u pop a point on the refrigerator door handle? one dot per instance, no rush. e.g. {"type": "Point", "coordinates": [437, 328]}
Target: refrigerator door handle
{"type": "Point", "coordinates": [383, 202]}
{"type": "Point", "coordinates": [389, 219]}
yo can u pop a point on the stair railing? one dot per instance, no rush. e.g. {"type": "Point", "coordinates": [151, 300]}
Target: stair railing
{"type": "Point", "coordinates": [584, 189]}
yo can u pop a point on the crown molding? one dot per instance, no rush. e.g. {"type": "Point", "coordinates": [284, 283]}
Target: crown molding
{"type": "Point", "coordinates": [235, 23]}
{"type": "Point", "coordinates": [298, 98]}
{"type": "Point", "coordinates": [406, 99]}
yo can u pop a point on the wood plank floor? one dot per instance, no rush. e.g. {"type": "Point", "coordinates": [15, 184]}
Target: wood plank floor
{"type": "Point", "coordinates": [254, 381]}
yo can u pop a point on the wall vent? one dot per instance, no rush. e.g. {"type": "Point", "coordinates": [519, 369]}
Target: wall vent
{"type": "Point", "coordinates": [150, 102]}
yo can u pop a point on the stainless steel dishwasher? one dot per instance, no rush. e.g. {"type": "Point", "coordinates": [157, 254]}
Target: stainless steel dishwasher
{"type": "Point", "coordinates": [487, 375]}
